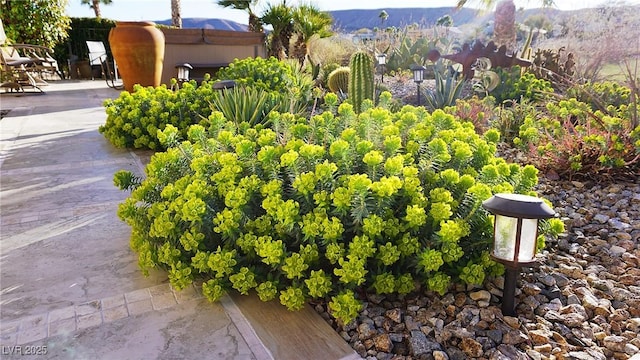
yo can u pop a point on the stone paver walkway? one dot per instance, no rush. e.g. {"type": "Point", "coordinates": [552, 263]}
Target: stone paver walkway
{"type": "Point", "coordinates": [70, 287]}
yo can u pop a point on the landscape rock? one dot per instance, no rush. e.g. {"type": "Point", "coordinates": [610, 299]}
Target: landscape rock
{"type": "Point", "coordinates": [482, 295]}
{"type": "Point", "coordinates": [420, 345]}
{"type": "Point", "coordinates": [383, 343]}
{"type": "Point", "coordinates": [471, 347]}
{"type": "Point", "coordinates": [615, 343]}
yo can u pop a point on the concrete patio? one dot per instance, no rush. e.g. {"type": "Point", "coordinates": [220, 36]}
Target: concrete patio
{"type": "Point", "coordinates": [70, 287]}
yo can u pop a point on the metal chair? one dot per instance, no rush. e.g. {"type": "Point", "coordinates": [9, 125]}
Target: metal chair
{"type": "Point", "coordinates": [45, 62]}
{"type": "Point", "coordinates": [23, 64]}
{"type": "Point", "coordinates": [98, 56]}
{"type": "Point", "coordinates": [18, 71]}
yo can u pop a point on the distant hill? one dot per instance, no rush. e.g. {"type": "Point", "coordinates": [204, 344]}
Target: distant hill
{"type": "Point", "coordinates": [204, 23]}
{"type": "Point", "coordinates": [353, 20]}
{"type": "Point", "coordinates": [348, 21]}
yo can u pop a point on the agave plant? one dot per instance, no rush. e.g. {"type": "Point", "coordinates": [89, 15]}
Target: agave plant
{"type": "Point", "coordinates": [242, 104]}
{"type": "Point", "coordinates": [447, 90]}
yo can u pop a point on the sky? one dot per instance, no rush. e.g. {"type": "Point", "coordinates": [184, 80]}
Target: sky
{"type": "Point", "coordinates": [149, 10]}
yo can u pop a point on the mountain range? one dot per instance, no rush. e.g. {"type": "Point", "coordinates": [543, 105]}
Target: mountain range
{"type": "Point", "coordinates": [348, 21]}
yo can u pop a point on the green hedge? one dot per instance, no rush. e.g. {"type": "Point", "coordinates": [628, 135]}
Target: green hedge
{"type": "Point", "coordinates": [82, 30]}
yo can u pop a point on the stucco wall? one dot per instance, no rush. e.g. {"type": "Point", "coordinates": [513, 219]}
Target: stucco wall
{"type": "Point", "coordinates": [205, 46]}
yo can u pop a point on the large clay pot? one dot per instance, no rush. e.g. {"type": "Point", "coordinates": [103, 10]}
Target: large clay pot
{"type": "Point", "coordinates": [138, 49]}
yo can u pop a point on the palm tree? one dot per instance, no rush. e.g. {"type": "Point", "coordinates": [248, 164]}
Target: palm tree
{"type": "Point", "coordinates": [446, 21]}
{"type": "Point", "coordinates": [255, 24]}
{"type": "Point", "coordinates": [95, 5]}
{"type": "Point", "coordinates": [280, 17]}
{"type": "Point", "coordinates": [309, 22]}
{"type": "Point", "coordinates": [383, 17]}
{"type": "Point", "coordinates": [176, 19]}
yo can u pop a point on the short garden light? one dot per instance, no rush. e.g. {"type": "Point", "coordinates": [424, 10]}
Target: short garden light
{"type": "Point", "coordinates": [183, 72]}
{"type": "Point", "coordinates": [382, 62]}
{"type": "Point", "coordinates": [418, 76]}
{"type": "Point", "coordinates": [515, 234]}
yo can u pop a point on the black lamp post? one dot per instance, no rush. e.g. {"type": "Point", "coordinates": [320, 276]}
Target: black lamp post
{"type": "Point", "coordinates": [515, 234]}
{"type": "Point", "coordinates": [382, 62]}
{"type": "Point", "coordinates": [418, 77]}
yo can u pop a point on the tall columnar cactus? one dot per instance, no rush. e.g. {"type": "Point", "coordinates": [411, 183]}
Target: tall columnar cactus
{"type": "Point", "coordinates": [360, 79]}
{"type": "Point", "coordinates": [338, 80]}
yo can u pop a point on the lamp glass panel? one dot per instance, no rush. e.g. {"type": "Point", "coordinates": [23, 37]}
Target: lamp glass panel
{"type": "Point", "coordinates": [183, 73]}
{"type": "Point", "coordinates": [528, 240]}
{"type": "Point", "coordinates": [505, 237]}
{"type": "Point", "coordinates": [417, 75]}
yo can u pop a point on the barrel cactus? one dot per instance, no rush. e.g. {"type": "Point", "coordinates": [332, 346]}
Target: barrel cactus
{"type": "Point", "coordinates": [360, 79]}
{"type": "Point", "coordinates": [338, 80]}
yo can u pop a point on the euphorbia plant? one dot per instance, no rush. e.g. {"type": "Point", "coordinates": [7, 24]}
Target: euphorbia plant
{"type": "Point", "coordinates": [322, 208]}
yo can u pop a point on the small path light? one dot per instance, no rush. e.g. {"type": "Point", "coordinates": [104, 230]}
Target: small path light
{"type": "Point", "coordinates": [515, 236]}
{"type": "Point", "coordinates": [418, 76]}
{"type": "Point", "coordinates": [183, 72]}
{"type": "Point", "coordinates": [382, 62]}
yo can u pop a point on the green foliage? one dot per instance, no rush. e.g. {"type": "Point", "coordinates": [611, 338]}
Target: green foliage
{"type": "Point", "coordinates": [600, 95]}
{"type": "Point", "coordinates": [510, 117]}
{"type": "Point", "coordinates": [516, 86]}
{"type": "Point", "coordinates": [475, 110]}
{"type": "Point", "coordinates": [133, 119]}
{"type": "Point", "coordinates": [448, 88]}
{"type": "Point", "coordinates": [282, 77]}
{"type": "Point", "coordinates": [360, 79]}
{"type": "Point", "coordinates": [575, 142]}
{"type": "Point", "coordinates": [325, 207]}
{"type": "Point", "coordinates": [338, 81]}
{"type": "Point", "coordinates": [246, 104]}
{"type": "Point", "coordinates": [553, 66]}
{"type": "Point", "coordinates": [83, 29]}
{"type": "Point", "coordinates": [410, 51]}
{"type": "Point", "coordinates": [36, 22]}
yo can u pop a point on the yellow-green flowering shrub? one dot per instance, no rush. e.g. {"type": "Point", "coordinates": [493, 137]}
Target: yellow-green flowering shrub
{"type": "Point", "coordinates": [133, 119]}
{"type": "Point", "coordinates": [322, 208]}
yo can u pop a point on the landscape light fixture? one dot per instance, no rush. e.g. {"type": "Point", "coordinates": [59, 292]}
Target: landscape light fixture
{"type": "Point", "coordinates": [515, 232]}
{"type": "Point", "coordinates": [382, 62]}
{"type": "Point", "coordinates": [183, 72]}
{"type": "Point", "coordinates": [418, 76]}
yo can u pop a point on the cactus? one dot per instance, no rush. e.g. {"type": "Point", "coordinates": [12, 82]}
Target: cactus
{"type": "Point", "coordinates": [338, 80]}
{"type": "Point", "coordinates": [360, 79]}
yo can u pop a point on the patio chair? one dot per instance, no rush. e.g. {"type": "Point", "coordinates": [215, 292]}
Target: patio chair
{"type": "Point", "coordinates": [46, 64]}
{"type": "Point", "coordinates": [98, 56]}
{"type": "Point", "coordinates": [24, 65]}
{"type": "Point", "coordinates": [18, 71]}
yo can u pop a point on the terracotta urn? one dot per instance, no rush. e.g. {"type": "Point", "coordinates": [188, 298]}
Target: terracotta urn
{"type": "Point", "coordinates": [138, 49]}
